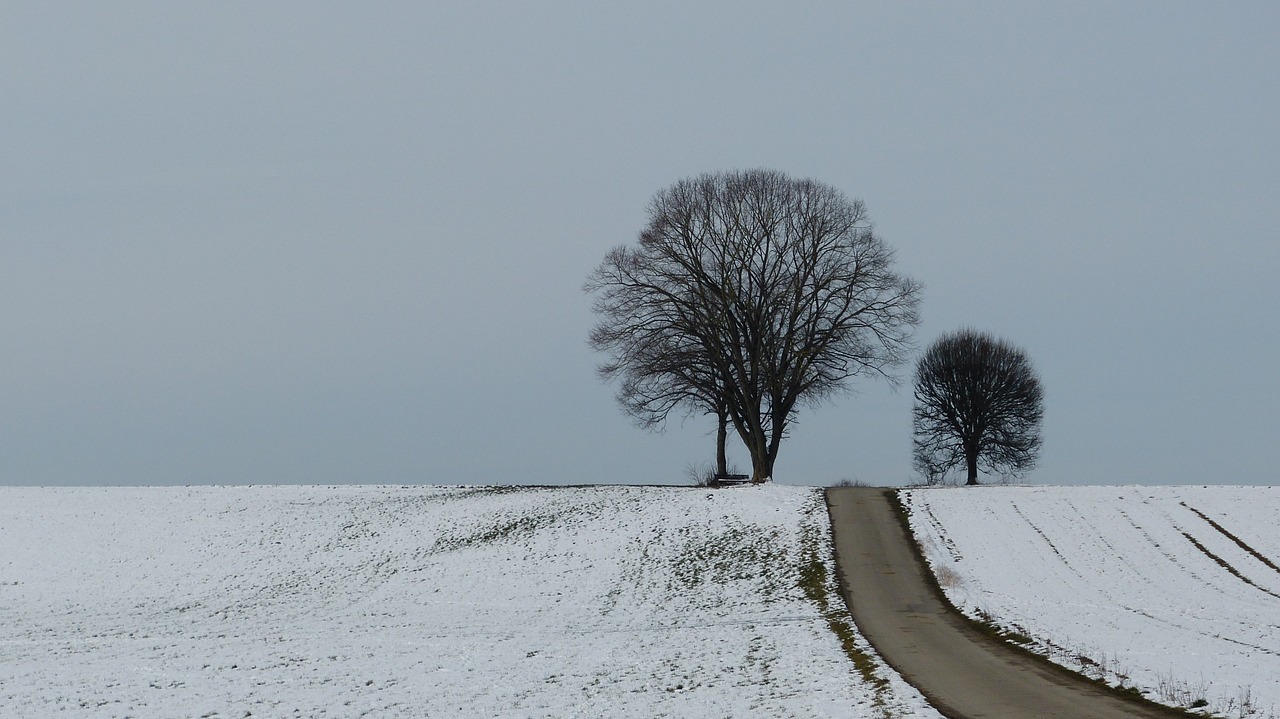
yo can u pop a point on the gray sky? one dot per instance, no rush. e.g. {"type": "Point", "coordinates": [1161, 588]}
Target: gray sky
{"type": "Point", "coordinates": [329, 243]}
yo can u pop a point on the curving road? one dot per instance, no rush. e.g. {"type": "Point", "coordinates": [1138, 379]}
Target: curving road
{"type": "Point", "coordinates": [964, 673]}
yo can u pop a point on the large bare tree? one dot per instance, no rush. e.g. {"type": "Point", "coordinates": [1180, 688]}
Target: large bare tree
{"type": "Point", "coordinates": [748, 294]}
{"type": "Point", "coordinates": [978, 405]}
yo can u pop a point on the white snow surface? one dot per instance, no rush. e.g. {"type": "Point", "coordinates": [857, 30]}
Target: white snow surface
{"type": "Point", "coordinates": [365, 601]}
{"type": "Point", "coordinates": [1134, 585]}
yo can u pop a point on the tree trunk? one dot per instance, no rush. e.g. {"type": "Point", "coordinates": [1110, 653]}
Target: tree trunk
{"type": "Point", "coordinates": [777, 429]}
{"type": "Point", "coordinates": [761, 458]}
{"type": "Point", "coordinates": [722, 433]}
{"type": "Point", "coordinates": [971, 459]}
{"type": "Point", "coordinates": [761, 467]}
{"type": "Point", "coordinates": [754, 439]}
{"type": "Point", "coordinates": [765, 453]}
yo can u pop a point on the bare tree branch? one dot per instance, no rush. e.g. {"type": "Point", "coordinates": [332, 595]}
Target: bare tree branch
{"type": "Point", "coordinates": [749, 293]}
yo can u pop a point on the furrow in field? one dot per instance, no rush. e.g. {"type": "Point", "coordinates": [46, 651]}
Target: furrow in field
{"type": "Point", "coordinates": [1227, 566]}
{"type": "Point", "coordinates": [1239, 542]}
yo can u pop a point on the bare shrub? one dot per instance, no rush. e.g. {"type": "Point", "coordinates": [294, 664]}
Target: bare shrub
{"type": "Point", "coordinates": [701, 474]}
{"type": "Point", "coordinates": [948, 578]}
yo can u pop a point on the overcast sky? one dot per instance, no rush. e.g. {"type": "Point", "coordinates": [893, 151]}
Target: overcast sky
{"type": "Point", "coordinates": [332, 243]}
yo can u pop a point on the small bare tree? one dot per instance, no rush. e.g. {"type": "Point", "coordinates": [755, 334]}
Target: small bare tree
{"type": "Point", "coordinates": [748, 294]}
{"type": "Point", "coordinates": [978, 405]}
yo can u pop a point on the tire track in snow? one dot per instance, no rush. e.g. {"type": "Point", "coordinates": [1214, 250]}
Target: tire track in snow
{"type": "Point", "coordinates": [1167, 554]}
{"type": "Point", "coordinates": [1118, 602]}
{"type": "Point", "coordinates": [940, 532]}
{"type": "Point", "coordinates": [1226, 565]}
{"type": "Point", "coordinates": [1214, 586]}
{"type": "Point", "coordinates": [1102, 592]}
{"type": "Point", "coordinates": [1239, 542]}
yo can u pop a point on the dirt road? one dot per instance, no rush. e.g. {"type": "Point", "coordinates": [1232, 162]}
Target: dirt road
{"type": "Point", "coordinates": [963, 672]}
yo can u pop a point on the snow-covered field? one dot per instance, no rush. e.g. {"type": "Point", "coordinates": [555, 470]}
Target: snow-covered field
{"type": "Point", "coordinates": [1172, 590]}
{"type": "Point", "coordinates": [425, 602]}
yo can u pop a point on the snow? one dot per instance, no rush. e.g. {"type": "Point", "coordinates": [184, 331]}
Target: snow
{"type": "Point", "coordinates": [1120, 583]}
{"type": "Point", "coordinates": [421, 602]}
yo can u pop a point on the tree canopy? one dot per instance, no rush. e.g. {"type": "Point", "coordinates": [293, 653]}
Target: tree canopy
{"type": "Point", "coordinates": [978, 405]}
{"type": "Point", "coordinates": [749, 293]}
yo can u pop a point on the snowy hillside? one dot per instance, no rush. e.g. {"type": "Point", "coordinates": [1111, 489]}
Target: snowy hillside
{"type": "Point", "coordinates": [424, 602]}
{"type": "Point", "coordinates": [1173, 590]}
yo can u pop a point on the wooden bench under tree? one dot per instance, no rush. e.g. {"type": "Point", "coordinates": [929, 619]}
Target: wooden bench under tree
{"type": "Point", "coordinates": [730, 479]}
